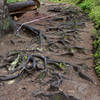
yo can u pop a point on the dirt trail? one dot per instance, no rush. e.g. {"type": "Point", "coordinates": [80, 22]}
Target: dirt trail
{"type": "Point", "coordinates": [79, 45]}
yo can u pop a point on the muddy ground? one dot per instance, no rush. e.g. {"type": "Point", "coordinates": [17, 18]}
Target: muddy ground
{"type": "Point", "coordinates": [68, 40]}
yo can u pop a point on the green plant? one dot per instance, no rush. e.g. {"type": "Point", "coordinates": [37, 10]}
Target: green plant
{"type": "Point", "coordinates": [87, 5]}
{"type": "Point", "coordinates": [95, 15]}
{"type": "Point", "coordinates": [97, 68]}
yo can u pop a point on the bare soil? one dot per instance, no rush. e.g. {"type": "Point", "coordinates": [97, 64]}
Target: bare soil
{"type": "Point", "coordinates": [74, 85]}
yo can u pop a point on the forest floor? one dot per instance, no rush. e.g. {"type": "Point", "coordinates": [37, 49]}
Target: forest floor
{"type": "Point", "coordinates": [69, 39]}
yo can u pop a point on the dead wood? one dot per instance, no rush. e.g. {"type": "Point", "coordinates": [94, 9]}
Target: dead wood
{"type": "Point", "coordinates": [22, 7]}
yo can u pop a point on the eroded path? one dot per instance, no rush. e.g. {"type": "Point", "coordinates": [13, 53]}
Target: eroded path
{"type": "Point", "coordinates": [68, 39]}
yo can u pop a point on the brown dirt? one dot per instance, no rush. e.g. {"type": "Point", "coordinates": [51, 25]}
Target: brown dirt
{"type": "Point", "coordinates": [76, 86]}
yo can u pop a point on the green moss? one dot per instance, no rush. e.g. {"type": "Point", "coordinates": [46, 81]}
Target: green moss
{"type": "Point", "coordinates": [59, 1]}
{"type": "Point", "coordinates": [10, 1]}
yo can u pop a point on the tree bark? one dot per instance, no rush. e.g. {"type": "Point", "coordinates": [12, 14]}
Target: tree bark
{"type": "Point", "coordinates": [19, 8]}
{"type": "Point", "coordinates": [6, 24]}
{"type": "Point", "coordinates": [20, 5]}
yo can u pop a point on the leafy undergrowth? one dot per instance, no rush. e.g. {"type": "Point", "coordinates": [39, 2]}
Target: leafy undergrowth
{"type": "Point", "coordinates": [97, 53]}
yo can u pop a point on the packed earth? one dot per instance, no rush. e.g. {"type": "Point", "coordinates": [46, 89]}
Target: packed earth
{"type": "Point", "coordinates": [50, 57]}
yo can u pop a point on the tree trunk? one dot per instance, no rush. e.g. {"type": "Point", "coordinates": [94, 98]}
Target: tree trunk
{"type": "Point", "coordinates": [6, 24]}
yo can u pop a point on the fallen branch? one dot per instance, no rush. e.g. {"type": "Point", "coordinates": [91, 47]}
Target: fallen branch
{"type": "Point", "coordinates": [22, 7]}
{"type": "Point", "coordinates": [32, 21]}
